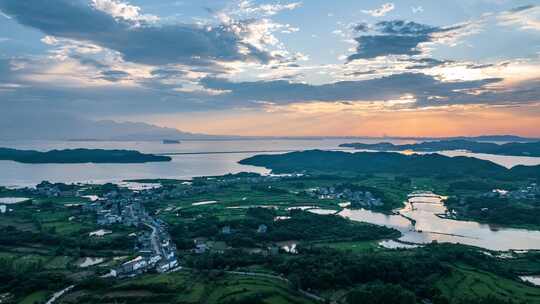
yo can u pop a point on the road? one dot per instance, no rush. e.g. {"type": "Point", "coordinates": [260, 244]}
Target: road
{"type": "Point", "coordinates": [57, 295]}
{"type": "Point", "coordinates": [156, 242]}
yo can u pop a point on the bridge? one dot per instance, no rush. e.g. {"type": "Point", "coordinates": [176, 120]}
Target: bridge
{"type": "Point", "coordinates": [242, 152]}
{"type": "Point", "coordinates": [426, 194]}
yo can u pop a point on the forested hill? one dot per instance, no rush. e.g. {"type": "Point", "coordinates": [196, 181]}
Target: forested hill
{"type": "Point", "coordinates": [334, 162]}
{"type": "Point", "coordinates": [511, 149]}
{"type": "Point", "coordinates": [75, 156]}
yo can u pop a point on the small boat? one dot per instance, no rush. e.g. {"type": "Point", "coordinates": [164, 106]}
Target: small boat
{"type": "Point", "coordinates": [170, 141]}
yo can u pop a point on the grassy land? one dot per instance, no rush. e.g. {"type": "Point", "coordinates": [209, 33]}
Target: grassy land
{"type": "Point", "coordinates": [36, 297]}
{"type": "Point", "coordinates": [51, 217]}
{"type": "Point", "coordinates": [355, 247]}
{"type": "Point", "coordinates": [188, 287]}
{"type": "Point", "coordinates": [468, 283]}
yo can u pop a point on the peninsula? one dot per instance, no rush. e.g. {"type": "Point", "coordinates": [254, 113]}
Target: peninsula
{"type": "Point", "coordinates": [344, 163]}
{"type": "Point", "coordinates": [509, 149]}
{"type": "Point", "coordinates": [79, 156]}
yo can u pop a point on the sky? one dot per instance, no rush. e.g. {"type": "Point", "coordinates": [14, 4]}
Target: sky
{"type": "Point", "coordinates": [277, 68]}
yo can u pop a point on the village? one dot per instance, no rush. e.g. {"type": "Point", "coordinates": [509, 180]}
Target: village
{"type": "Point", "coordinates": [357, 198]}
{"type": "Point", "coordinates": [528, 192]}
{"type": "Point", "coordinates": [154, 247]}
{"type": "Point", "coordinates": [153, 250]}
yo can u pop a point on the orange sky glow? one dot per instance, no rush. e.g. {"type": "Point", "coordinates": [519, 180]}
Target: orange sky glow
{"type": "Point", "coordinates": [437, 122]}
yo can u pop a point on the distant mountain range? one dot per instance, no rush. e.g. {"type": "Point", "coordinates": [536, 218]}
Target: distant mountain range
{"type": "Point", "coordinates": [64, 127]}
{"type": "Point", "coordinates": [69, 127]}
{"type": "Point", "coordinates": [511, 149]}
{"type": "Point", "coordinates": [484, 138]}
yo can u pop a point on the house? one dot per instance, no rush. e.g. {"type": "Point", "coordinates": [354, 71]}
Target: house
{"type": "Point", "coordinates": [131, 268]}
{"type": "Point", "coordinates": [200, 248]}
{"type": "Point", "coordinates": [99, 233]}
{"type": "Point", "coordinates": [108, 219]}
{"type": "Point", "coordinates": [262, 228]}
{"type": "Point", "coordinates": [226, 230]}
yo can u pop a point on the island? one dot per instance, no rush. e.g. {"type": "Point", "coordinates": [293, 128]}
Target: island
{"type": "Point", "coordinates": [475, 189]}
{"type": "Point", "coordinates": [509, 149]}
{"type": "Point", "coordinates": [344, 163]}
{"type": "Point", "coordinates": [79, 156]}
{"type": "Point", "coordinates": [170, 141]}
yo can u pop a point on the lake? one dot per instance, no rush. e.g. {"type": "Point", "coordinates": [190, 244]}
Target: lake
{"type": "Point", "coordinates": [430, 227]}
{"type": "Point", "coordinates": [185, 166]}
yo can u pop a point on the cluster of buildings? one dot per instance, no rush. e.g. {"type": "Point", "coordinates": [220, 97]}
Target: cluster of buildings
{"type": "Point", "coordinates": [155, 250]}
{"type": "Point", "coordinates": [206, 185]}
{"type": "Point", "coordinates": [48, 189]}
{"type": "Point", "coordinates": [529, 192]}
{"type": "Point", "coordinates": [127, 211]}
{"type": "Point", "coordinates": [357, 198]}
{"type": "Point", "coordinates": [154, 247]}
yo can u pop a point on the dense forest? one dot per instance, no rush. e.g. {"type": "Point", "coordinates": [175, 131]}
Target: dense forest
{"type": "Point", "coordinates": [317, 161]}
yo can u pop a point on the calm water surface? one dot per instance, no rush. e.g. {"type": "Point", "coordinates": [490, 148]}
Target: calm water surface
{"type": "Point", "coordinates": [430, 227]}
{"type": "Point", "coordinates": [182, 166]}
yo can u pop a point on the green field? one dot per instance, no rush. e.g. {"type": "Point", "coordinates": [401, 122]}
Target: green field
{"type": "Point", "coordinates": [352, 246]}
{"type": "Point", "coordinates": [188, 287]}
{"type": "Point", "coordinates": [467, 283]}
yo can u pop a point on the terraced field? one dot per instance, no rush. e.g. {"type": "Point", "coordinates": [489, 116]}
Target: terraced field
{"type": "Point", "coordinates": [466, 283]}
{"type": "Point", "coordinates": [187, 287]}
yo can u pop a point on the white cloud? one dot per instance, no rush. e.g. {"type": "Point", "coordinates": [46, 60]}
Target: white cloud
{"type": "Point", "coordinates": [526, 18]}
{"type": "Point", "coordinates": [417, 9]}
{"type": "Point", "coordinates": [4, 15]}
{"type": "Point", "coordinates": [380, 12]}
{"type": "Point", "coordinates": [254, 24]}
{"type": "Point", "coordinates": [49, 40]}
{"type": "Point", "coordinates": [247, 7]}
{"type": "Point", "coordinates": [122, 10]}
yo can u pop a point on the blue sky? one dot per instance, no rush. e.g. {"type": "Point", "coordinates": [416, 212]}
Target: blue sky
{"type": "Point", "coordinates": [218, 66]}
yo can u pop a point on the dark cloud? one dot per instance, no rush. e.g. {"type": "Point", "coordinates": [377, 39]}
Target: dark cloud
{"type": "Point", "coordinates": [147, 99]}
{"type": "Point", "coordinates": [400, 27]}
{"type": "Point", "coordinates": [426, 63]}
{"type": "Point", "coordinates": [89, 61]}
{"type": "Point", "coordinates": [480, 66]}
{"type": "Point", "coordinates": [361, 27]}
{"type": "Point", "coordinates": [114, 75]}
{"type": "Point", "coordinates": [360, 73]}
{"type": "Point", "coordinates": [144, 43]}
{"type": "Point", "coordinates": [384, 45]}
{"type": "Point", "coordinates": [522, 8]}
{"type": "Point", "coordinates": [422, 86]}
{"type": "Point", "coordinates": [395, 37]}
{"type": "Point", "coordinates": [166, 73]}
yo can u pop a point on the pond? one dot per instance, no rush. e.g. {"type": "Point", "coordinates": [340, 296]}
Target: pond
{"type": "Point", "coordinates": [204, 203]}
{"type": "Point", "coordinates": [431, 227]}
{"type": "Point", "coordinates": [12, 200]}
{"type": "Point", "coordinates": [531, 279]}
{"type": "Point", "coordinates": [322, 211]}
{"type": "Point", "coordinates": [88, 262]}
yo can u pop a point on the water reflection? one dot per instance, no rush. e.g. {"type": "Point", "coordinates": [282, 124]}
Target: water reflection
{"type": "Point", "coordinates": [184, 166]}
{"type": "Point", "coordinates": [430, 226]}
